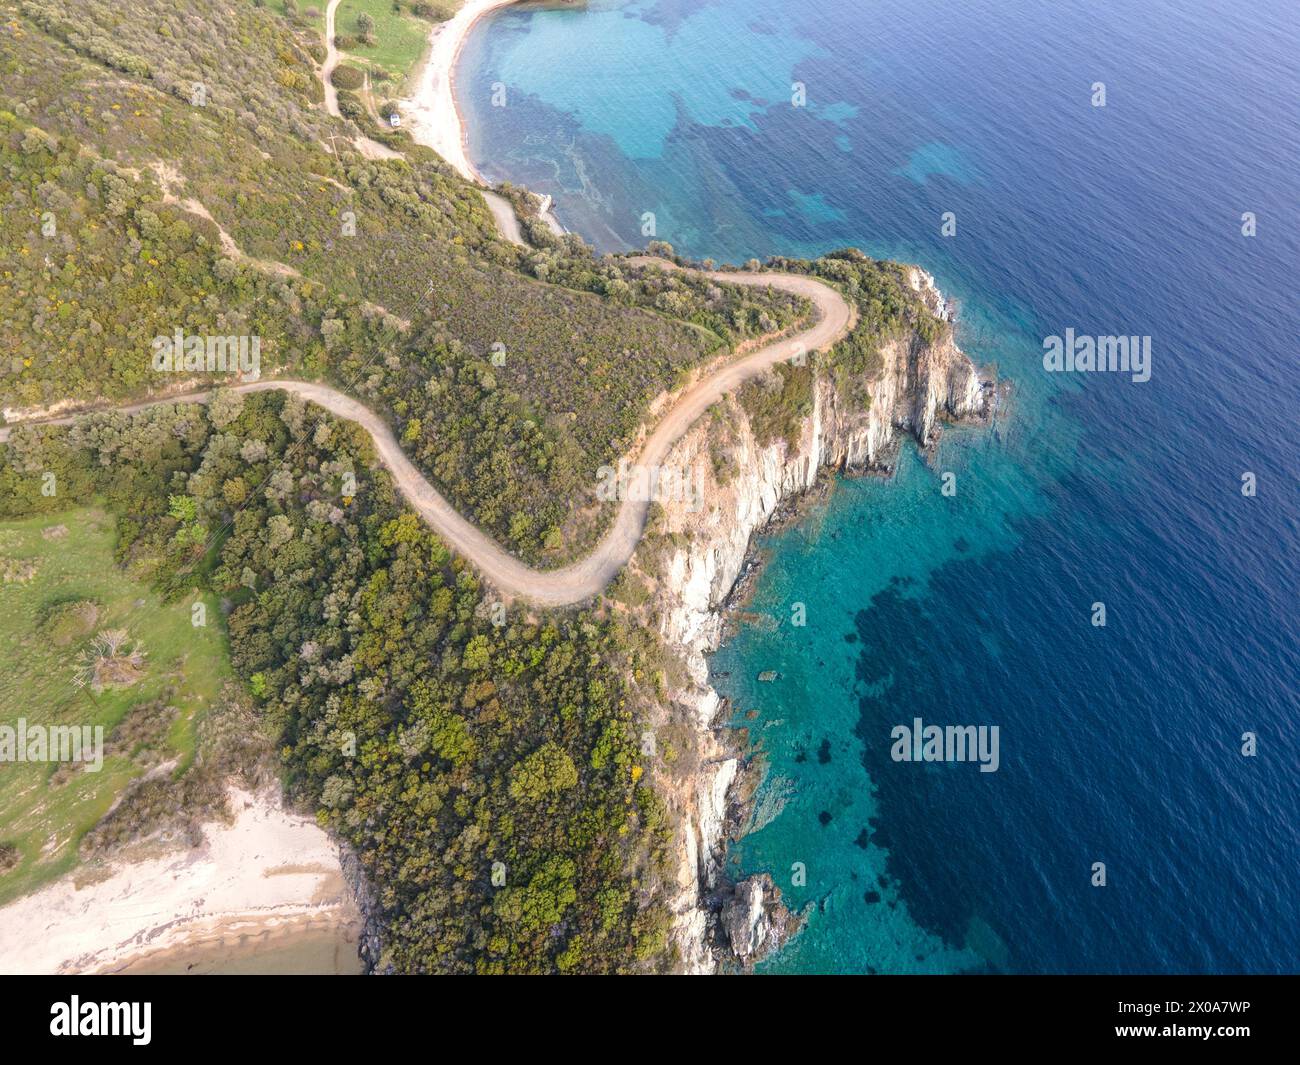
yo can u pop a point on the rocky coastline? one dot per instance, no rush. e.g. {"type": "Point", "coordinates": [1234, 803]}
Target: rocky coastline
{"type": "Point", "coordinates": [703, 563]}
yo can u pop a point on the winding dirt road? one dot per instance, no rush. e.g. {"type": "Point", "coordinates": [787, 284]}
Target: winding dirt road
{"type": "Point", "coordinates": [585, 579]}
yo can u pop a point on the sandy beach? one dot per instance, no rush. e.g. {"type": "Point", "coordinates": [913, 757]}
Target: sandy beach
{"type": "Point", "coordinates": [255, 884]}
{"type": "Point", "coordinates": [433, 117]}
{"type": "Point", "coordinates": [431, 113]}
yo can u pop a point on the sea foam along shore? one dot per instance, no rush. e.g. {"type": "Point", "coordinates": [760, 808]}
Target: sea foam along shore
{"type": "Point", "coordinates": [431, 113]}
{"type": "Point", "coordinates": [265, 876]}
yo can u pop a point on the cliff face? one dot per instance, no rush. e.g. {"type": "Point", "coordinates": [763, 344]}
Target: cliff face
{"type": "Point", "coordinates": [920, 384]}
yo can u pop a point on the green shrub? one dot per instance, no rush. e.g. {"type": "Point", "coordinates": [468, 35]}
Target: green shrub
{"type": "Point", "coordinates": [346, 77]}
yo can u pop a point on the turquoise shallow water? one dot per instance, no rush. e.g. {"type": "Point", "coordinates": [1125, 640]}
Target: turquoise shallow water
{"type": "Point", "coordinates": [1118, 744]}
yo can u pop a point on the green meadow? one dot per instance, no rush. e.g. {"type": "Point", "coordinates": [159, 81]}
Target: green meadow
{"type": "Point", "coordinates": [401, 39]}
{"type": "Point", "coordinates": [64, 587]}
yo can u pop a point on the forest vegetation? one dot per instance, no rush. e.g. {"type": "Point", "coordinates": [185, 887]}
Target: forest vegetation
{"type": "Point", "coordinates": [483, 763]}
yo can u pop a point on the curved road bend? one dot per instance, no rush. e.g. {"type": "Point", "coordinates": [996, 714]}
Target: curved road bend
{"type": "Point", "coordinates": [586, 578]}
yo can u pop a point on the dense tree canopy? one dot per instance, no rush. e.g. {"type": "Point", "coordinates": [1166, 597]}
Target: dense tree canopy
{"type": "Point", "coordinates": [486, 774]}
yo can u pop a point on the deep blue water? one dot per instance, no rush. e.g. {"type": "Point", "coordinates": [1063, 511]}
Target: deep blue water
{"type": "Point", "coordinates": [1119, 744]}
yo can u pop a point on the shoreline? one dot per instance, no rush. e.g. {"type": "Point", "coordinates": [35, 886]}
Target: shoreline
{"type": "Point", "coordinates": [431, 109]}
{"type": "Point", "coordinates": [435, 120]}
{"type": "Point", "coordinates": [258, 882]}
{"type": "Point", "coordinates": [247, 945]}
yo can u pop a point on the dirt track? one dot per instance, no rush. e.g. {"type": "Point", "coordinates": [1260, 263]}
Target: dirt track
{"type": "Point", "coordinates": [586, 578]}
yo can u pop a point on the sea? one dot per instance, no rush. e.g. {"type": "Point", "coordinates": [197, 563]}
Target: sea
{"type": "Point", "coordinates": [1108, 575]}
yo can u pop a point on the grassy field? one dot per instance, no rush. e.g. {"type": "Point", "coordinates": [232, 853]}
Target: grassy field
{"type": "Point", "coordinates": [46, 621]}
{"type": "Point", "coordinates": [313, 15]}
{"type": "Point", "coordinates": [400, 39]}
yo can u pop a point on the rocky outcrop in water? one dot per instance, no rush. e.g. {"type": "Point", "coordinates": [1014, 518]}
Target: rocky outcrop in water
{"type": "Point", "coordinates": [753, 921]}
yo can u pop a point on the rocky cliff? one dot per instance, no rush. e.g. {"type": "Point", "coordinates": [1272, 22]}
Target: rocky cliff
{"type": "Point", "coordinates": [699, 551]}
